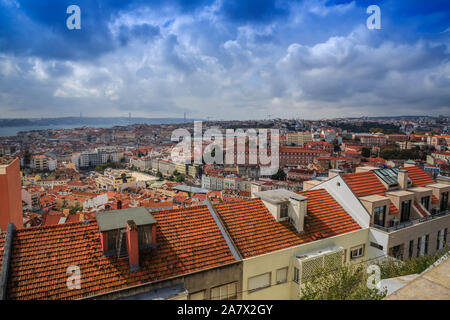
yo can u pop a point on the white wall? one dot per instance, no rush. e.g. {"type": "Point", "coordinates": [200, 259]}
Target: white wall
{"type": "Point", "coordinates": [379, 237]}
{"type": "Point", "coordinates": [342, 193]}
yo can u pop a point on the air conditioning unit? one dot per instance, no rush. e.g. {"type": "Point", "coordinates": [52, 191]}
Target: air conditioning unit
{"type": "Point", "coordinates": [310, 263]}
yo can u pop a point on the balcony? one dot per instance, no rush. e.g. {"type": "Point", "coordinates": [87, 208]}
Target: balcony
{"type": "Point", "coordinates": [412, 222]}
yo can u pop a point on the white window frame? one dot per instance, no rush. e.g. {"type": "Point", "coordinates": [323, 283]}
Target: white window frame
{"type": "Point", "coordinates": [224, 292]}
{"type": "Point", "coordinates": [269, 274]}
{"type": "Point", "coordinates": [359, 252]}
{"type": "Point", "coordinates": [285, 276]}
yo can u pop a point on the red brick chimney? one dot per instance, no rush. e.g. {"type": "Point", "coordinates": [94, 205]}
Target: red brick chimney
{"type": "Point", "coordinates": [154, 233]}
{"type": "Point", "coordinates": [104, 241]}
{"type": "Point", "coordinates": [133, 245]}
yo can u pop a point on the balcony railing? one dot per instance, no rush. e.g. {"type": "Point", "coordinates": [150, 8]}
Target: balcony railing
{"type": "Point", "coordinates": [412, 222]}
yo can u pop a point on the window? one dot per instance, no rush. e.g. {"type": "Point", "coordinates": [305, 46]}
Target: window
{"type": "Point", "coordinates": [440, 240]}
{"type": "Point", "coordinates": [406, 210]}
{"type": "Point", "coordinates": [411, 248]}
{"type": "Point", "coordinates": [421, 244]}
{"type": "Point", "coordinates": [379, 214]}
{"type": "Point", "coordinates": [357, 252]}
{"type": "Point", "coordinates": [282, 275]}
{"type": "Point", "coordinates": [296, 275]}
{"type": "Point", "coordinates": [200, 295]}
{"type": "Point", "coordinates": [259, 282]}
{"type": "Point", "coordinates": [425, 202]}
{"type": "Point", "coordinates": [376, 245]}
{"type": "Point", "coordinates": [145, 236]}
{"type": "Point", "coordinates": [445, 236]}
{"type": "Point", "coordinates": [284, 210]}
{"type": "Point", "coordinates": [427, 239]}
{"type": "Point", "coordinates": [397, 252]}
{"type": "Point", "coordinates": [224, 292]}
{"type": "Point", "coordinates": [114, 239]}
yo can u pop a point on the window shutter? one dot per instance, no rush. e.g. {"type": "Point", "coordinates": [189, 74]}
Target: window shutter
{"type": "Point", "coordinates": [260, 281]}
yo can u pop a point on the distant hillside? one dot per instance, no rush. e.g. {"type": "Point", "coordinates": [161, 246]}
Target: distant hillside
{"type": "Point", "coordinates": [86, 121]}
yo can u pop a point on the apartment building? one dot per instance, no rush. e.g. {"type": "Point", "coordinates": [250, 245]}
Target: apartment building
{"type": "Point", "coordinates": [407, 211]}
{"type": "Point", "coordinates": [212, 182]}
{"type": "Point", "coordinates": [231, 182]}
{"type": "Point", "coordinates": [298, 138]}
{"type": "Point", "coordinates": [43, 163]}
{"type": "Point", "coordinates": [294, 156]}
{"type": "Point", "coordinates": [371, 140]}
{"type": "Point", "coordinates": [90, 159]}
{"type": "Point", "coordinates": [144, 163]}
{"type": "Point", "coordinates": [306, 231]}
{"type": "Point", "coordinates": [10, 193]}
{"type": "Point", "coordinates": [31, 198]}
{"type": "Point", "coordinates": [396, 137]}
{"type": "Point", "coordinates": [114, 179]}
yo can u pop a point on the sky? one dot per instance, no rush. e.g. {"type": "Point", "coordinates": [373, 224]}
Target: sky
{"type": "Point", "coordinates": [228, 60]}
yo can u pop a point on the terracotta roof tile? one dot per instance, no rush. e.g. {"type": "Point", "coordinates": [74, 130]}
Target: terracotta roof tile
{"type": "Point", "coordinates": [367, 183]}
{"type": "Point", "coordinates": [255, 231]}
{"type": "Point", "coordinates": [419, 177]}
{"type": "Point", "coordinates": [364, 183]}
{"type": "Point", "coordinates": [188, 240]}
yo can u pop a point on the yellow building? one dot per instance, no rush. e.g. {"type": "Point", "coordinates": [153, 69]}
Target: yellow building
{"type": "Point", "coordinates": [180, 168]}
{"type": "Point", "coordinates": [113, 179]}
{"type": "Point", "coordinates": [283, 238]}
{"type": "Point", "coordinates": [30, 179]}
{"type": "Point", "coordinates": [298, 138]}
{"type": "Point", "coordinates": [284, 270]}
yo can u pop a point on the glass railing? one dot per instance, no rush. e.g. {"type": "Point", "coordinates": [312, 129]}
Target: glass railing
{"type": "Point", "coordinates": [412, 222]}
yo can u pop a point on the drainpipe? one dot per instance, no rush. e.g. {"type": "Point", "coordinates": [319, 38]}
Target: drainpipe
{"type": "Point", "coordinates": [6, 259]}
{"type": "Point", "coordinates": [231, 245]}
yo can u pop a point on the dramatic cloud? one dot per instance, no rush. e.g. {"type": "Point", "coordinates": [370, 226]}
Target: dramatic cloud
{"type": "Point", "coordinates": [224, 59]}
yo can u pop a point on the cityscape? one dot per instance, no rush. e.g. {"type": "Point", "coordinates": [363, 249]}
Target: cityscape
{"type": "Point", "coordinates": [183, 173]}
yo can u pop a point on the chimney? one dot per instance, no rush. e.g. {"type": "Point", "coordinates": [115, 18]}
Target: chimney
{"type": "Point", "coordinates": [299, 205]}
{"type": "Point", "coordinates": [255, 187]}
{"type": "Point", "coordinates": [402, 179]}
{"type": "Point", "coordinates": [154, 234]}
{"type": "Point", "coordinates": [133, 245]}
{"type": "Point", "coordinates": [104, 241]}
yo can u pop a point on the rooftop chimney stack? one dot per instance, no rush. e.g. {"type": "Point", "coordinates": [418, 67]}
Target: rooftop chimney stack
{"type": "Point", "coordinates": [299, 206]}
{"type": "Point", "coordinates": [402, 179]}
{"type": "Point", "coordinates": [133, 245]}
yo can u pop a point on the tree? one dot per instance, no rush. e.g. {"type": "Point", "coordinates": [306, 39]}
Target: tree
{"type": "Point", "coordinates": [365, 152]}
{"type": "Point", "coordinates": [336, 145]}
{"type": "Point", "coordinates": [179, 178]}
{"type": "Point", "coordinates": [346, 282]}
{"type": "Point", "coordinates": [26, 158]}
{"type": "Point", "coordinates": [391, 268]}
{"type": "Point", "coordinates": [280, 175]}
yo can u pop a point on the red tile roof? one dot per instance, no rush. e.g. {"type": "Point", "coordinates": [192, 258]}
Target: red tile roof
{"type": "Point", "coordinates": [188, 240]}
{"type": "Point", "coordinates": [255, 231]}
{"type": "Point", "coordinates": [434, 199]}
{"type": "Point", "coordinates": [367, 183]}
{"type": "Point", "coordinates": [419, 208]}
{"type": "Point", "coordinates": [364, 183]}
{"type": "Point", "coordinates": [418, 177]}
